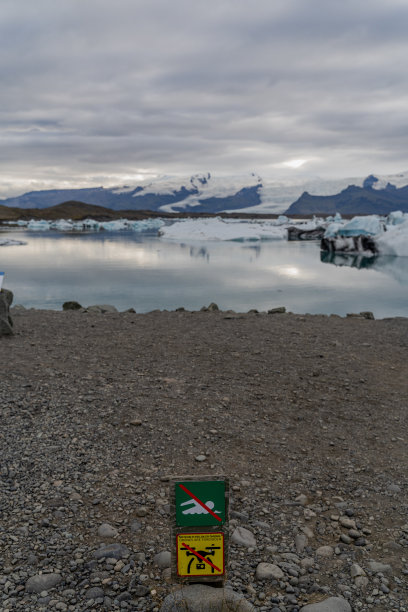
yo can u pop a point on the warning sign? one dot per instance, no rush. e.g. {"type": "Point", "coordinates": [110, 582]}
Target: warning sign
{"type": "Point", "coordinates": [200, 554]}
{"type": "Point", "coordinates": [200, 503]}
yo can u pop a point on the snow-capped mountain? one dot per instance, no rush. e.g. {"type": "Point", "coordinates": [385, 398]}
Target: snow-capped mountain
{"type": "Point", "coordinates": [213, 194]}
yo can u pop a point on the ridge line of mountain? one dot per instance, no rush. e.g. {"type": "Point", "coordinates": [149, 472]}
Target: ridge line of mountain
{"type": "Point", "coordinates": [208, 195]}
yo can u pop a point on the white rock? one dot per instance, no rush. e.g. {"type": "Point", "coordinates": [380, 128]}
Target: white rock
{"type": "Point", "coordinates": [200, 458]}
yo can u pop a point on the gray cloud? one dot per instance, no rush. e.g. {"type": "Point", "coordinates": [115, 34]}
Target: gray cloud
{"type": "Point", "coordinates": [100, 89]}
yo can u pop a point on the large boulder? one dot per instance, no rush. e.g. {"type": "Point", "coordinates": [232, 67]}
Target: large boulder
{"type": "Point", "coordinates": [6, 322]}
{"type": "Point", "coordinates": [203, 598]}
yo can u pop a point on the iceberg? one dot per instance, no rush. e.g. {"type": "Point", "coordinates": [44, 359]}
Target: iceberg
{"type": "Point", "coordinates": [62, 225]}
{"type": "Point", "coordinates": [369, 225]}
{"type": "Point", "coordinates": [219, 229]}
{"type": "Point", "coordinates": [38, 225]}
{"type": "Point", "coordinates": [396, 217]}
{"type": "Point", "coordinates": [394, 241]}
{"type": "Point", "coordinates": [66, 225]}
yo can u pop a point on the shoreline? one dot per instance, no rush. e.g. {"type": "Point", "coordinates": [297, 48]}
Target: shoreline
{"type": "Point", "coordinates": [277, 311]}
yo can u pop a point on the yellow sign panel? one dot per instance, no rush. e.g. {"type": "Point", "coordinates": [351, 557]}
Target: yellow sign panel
{"type": "Point", "coordinates": [200, 554]}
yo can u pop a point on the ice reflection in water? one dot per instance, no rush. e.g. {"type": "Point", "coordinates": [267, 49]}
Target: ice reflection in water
{"type": "Point", "coordinates": [145, 273]}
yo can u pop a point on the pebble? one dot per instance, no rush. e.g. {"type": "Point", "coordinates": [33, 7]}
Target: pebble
{"type": "Point", "coordinates": [200, 458]}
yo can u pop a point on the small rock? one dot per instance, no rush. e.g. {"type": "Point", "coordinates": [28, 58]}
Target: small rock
{"type": "Point", "coordinates": [279, 309]}
{"type": "Point", "coordinates": [325, 551]}
{"type": "Point", "coordinates": [347, 522]}
{"type": "Point", "coordinates": [112, 551]}
{"type": "Point", "coordinates": [243, 537]}
{"type": "Point", "coordinates": [361, 582]}
{"type": "Point", "coordinates": [200, 597]}
{"type": "Point", "coordinates": [42, 582]}
{"type": "Point", "coordinates": [377, 567]}
{"type": "Point", "coordinates": [356, 570]}
{"type": "Point", "coordinates": [163, 559]}
{"type": "Point", "coordinates": [107, 531]}
{"type": "Point", "coordinates": [71, 306]}
{"type": "Point", "coordinates": [200, 458]}
{"type": "Point", "coordinates": [268, 571]}
{"type": "Point", "coordinates": [367, 314]}
{"type": "Point", "coordinates": [300, 543]}
{"type": "Point", "coordinates": [94, 593]}
{"type": "Point", "coordinates": [332, 604]}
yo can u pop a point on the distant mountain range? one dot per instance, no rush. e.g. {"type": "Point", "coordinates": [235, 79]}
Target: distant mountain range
{"type": "Point", "coordinates": [203, 193]}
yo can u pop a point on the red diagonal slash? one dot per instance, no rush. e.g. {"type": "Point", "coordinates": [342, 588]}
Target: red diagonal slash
{"type": "Point", "coordinates": [201, 557]}
{"type": "Point", "coordinates": [199, 502]}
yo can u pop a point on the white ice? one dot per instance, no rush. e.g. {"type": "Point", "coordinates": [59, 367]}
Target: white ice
{"type": "Point", "coordinates": [64, 225]}
{"type": "Point", "coordinates": [220, 229]}
{"type": "Point", "coordinates": [394, 241]}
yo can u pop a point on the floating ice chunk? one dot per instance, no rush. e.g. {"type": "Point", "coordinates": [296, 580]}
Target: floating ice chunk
{"type": "Point", "coordinates": [396, 217]}
{"type": "Point", "coordinates": [62, 225]}
{"type": "Point", "coordinates": [394, 241]}
{"type": "Point", "coordinates": [10, 242]}
{"type": "Point", "coordinates": [219, 229]}
{"type": "Point", "coordinates": [369, 225]}
{"type": "Point", "coordinates": [146, 225]}
{"type": "Point", "coordinates": [282, 220]}
{"type": "Point", "coordinates": [113, 226]}
{"type": "Point", "coordinates": [38, 225]}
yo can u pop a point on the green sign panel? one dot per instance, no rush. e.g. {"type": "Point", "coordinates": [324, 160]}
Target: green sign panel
{"type": "Point", "coordinates": [200, 503]}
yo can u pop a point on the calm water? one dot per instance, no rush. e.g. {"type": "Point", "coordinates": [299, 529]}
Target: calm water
{"type": "Point", "coordinates": [146, 272]}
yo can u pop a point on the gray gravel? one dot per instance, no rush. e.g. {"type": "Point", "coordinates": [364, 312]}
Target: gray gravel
{"type": "Point", "coordinates": [307, 416]}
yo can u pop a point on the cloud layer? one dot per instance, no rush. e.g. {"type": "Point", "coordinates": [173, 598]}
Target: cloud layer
{"type": "Point", "coordinates": [100, 92]}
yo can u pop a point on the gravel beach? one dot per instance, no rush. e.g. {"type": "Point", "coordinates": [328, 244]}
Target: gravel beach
{"type": "Point", "coordinates": [306, 415]}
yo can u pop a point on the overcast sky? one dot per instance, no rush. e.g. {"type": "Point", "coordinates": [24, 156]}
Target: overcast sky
{"type": "Point", "coordinates": [99, 92]}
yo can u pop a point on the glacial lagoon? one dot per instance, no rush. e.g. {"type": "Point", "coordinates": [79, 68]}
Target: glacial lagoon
{"type": "Point", "coordinates": [146, 272]}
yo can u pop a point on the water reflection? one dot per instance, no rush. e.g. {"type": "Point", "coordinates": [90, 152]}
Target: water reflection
{"type": "Point", "coordinates": [396, 267]}
{"type": "Point", "coordinates": [199, 252]}
{"type": "Point", "coordinates": [145, 273]}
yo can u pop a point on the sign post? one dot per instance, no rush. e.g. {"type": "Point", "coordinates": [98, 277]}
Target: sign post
{"type": "Point", "coordinates": [199, 528]}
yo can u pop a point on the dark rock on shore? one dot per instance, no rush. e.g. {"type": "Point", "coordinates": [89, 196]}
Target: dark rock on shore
{"type": "Point", "coordinates": [71, 306]}
{"type": "Point", "coordinates": [6, 322]}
